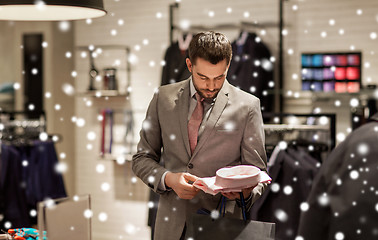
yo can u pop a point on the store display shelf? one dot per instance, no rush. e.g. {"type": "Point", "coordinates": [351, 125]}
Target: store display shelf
{"type": "Point", "coordinates": [288, 127]}
{"type": "Point", "coordinates": [362, 94]}
{"type": "Point", "coordinates": [325, 96]}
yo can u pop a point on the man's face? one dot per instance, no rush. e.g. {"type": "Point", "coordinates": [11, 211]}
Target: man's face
{"type": "Point", "coordinates": [207, 78]}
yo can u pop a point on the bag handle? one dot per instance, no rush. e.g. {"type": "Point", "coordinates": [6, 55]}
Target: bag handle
{"type": "Point", "coordinates": [243, 207]}
{"type": "Point", "coordinates": [222, 209]}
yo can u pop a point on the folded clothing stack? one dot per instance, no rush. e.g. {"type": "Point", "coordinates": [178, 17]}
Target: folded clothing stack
{"type": "Point", "coordinates": [232, 179]}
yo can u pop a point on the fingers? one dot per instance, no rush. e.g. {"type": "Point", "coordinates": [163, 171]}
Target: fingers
{"type": "Point", "coordinates": [184, 189]}
{"type": "Point", "coordinates": [247, 191]}
{"type": "Point", "coordinates": [189, 177]}
{"type": "Point", "coordinates": [185, 193]}
{"type": "Point", "coordinates": [231, 195]}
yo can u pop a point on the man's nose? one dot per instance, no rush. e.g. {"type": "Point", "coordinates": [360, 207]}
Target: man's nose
{"type": "Point", "coordinates": [211, 85]}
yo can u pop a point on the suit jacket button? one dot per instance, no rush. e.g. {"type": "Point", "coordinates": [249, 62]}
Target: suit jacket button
{"type": "Point", "coordinates": [190, 166]}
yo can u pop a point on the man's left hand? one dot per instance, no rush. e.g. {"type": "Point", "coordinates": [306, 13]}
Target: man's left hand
{"type": "Point", "coordinates": [236, 195]}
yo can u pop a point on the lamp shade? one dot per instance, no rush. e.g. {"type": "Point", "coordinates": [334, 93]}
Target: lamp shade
{"type": "Point", "coordinates": [50, 10]}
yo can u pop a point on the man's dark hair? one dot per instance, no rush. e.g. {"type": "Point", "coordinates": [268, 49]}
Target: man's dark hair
{"type": "Point", "coordinates": [210, 46]}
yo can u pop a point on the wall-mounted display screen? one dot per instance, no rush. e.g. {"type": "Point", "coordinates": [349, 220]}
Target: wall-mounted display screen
{"type": "Point", "coordinates": [331, 72]}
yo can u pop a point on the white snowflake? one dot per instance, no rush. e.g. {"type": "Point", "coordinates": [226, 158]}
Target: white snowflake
{"type": "Point", "coordinates": [91, 136]}
{"type": "Point", "coordinates": [267, 65]}
{"type": "Point", "coordinates": [130, 229]}
{"type": "Point", "coordinates": [146, 125]}
{"type": "Point", "coordinates": [229, 126]}
{"type": "Point", "coordinates": [7, 225]}
{"type": "Point", "coordinates": [61, 167]}
{"type": "Point", "coordinates": [172, 137]}
{"type": "Point", "coordinates": [323, 200]}
{"type": "Point", "coordinates": [354, 174]}
{"type": "Point", "coordinates": [281, 215]}
{"type": "Point", "coordinates": [288, 190]}
{"type": "Point", "coordinates": [33, 213]}
{"type": "Point", "coordinates": [339, 236]}
{"type": "Point", "coordinates": [363, 149]}
{"type": "Point", "coordinates": [214, 214]}
{"type": "Point", "coordinates": [25, 163]}
{"type": "Point", "coordinates": [102, 216]}
{"type": "Point", "coordinates": [339, 181]}
{"type": "Point", "coordinates": [88, 213]}
{"type": "Point", "coordinates": [275, 187]}
{"type": "Point", "coordinates": [105, 186]}
{"type": "Point", "coordinates": [354, 102]}
{"type": "Point", "coordinates": [151, 179]}
{"type": "Point", "coordinates": [282, 145]}
{"type": "Point", "coordinates": [304, 206]}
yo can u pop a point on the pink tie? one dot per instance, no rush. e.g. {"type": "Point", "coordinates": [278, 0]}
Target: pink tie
{"type": "Point", "coordinates": [195, 122]}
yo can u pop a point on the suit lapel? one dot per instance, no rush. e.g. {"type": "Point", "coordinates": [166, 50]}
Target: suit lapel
{"type": "Point", "coordinates": [219, 106]}
{"type": "Point", "coordinates": [183, 108]}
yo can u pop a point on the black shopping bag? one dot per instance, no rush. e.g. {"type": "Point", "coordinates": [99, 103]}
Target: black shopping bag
{"type": "Point", "coordinates": [204, 227]}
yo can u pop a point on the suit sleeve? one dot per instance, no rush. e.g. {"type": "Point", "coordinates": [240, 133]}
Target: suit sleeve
{"type": "Point", "coordinates": [145, 163]}
{"type": "Point", "coordinates": [253, 147]}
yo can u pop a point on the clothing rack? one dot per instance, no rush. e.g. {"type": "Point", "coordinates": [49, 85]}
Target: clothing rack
{"type": "Point", "coordinates": [226, 26]}
{"type": "Point", "coordinates": [10, 119]}
{"type": "Point", "coordinates": [13, 114]}
{"type": "Point", "coordinates": [331, 127]}
{"type": "Point", "coordinates": [244, 25]}
{"type": "Point", "coordinates": [18, 128]}
{"type": "Point", "coordinates": [223, 26]}
{"type": "Point", "coordinates": [292, 127]}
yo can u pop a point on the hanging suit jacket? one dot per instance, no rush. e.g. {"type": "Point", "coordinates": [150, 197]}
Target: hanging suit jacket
{"type": "Point", "coordinates": [283, 206]}
{"type": "Point", "coordinates": [13, 201]}
{"type": "Point", "coordinates": [165, 127]}
{"type": "Point", "coordinates": [25, 186]}
{"type": "Point", "coordinates": [246, 75]}
{"type": "Point", "coordinates": [343, 199]}
{"type": "Point", "coordinates": [175, 69]}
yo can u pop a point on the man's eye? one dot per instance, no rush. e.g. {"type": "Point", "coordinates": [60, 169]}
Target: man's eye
{"type": "Point", "coordinates": [203, 78]}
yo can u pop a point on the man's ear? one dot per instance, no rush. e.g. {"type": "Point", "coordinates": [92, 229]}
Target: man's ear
{"type": "Point", "coordinates": [189, 64]}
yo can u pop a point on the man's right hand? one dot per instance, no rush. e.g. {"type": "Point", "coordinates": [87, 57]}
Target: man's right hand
{"type": "Point", "coordinates": [181, 183]}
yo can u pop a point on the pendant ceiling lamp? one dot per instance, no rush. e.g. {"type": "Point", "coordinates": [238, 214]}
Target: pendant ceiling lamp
{"type": "Point", "coordinates": [50, 10]}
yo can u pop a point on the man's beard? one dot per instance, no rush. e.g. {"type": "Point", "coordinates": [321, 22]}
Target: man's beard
{"type": "Point", "coordinates": [209, 99]}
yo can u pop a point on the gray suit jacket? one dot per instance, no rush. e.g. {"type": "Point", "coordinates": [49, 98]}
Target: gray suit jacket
{"type": "Point", "coordinates": [233, 135]}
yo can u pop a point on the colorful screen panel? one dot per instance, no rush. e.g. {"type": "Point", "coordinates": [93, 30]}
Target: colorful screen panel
{"type": "Point", "coordinates": [331, 72]}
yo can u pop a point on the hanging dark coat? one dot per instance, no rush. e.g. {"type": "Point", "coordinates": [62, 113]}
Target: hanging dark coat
{"type": "Point", "coordinates": [283, 207]}
{"type": "Point", "coordinates": [251, 70]}
{"type": "Point", "coordinates": [175, 69]}
{"type": "Point", "coordinates": [346, 186]}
